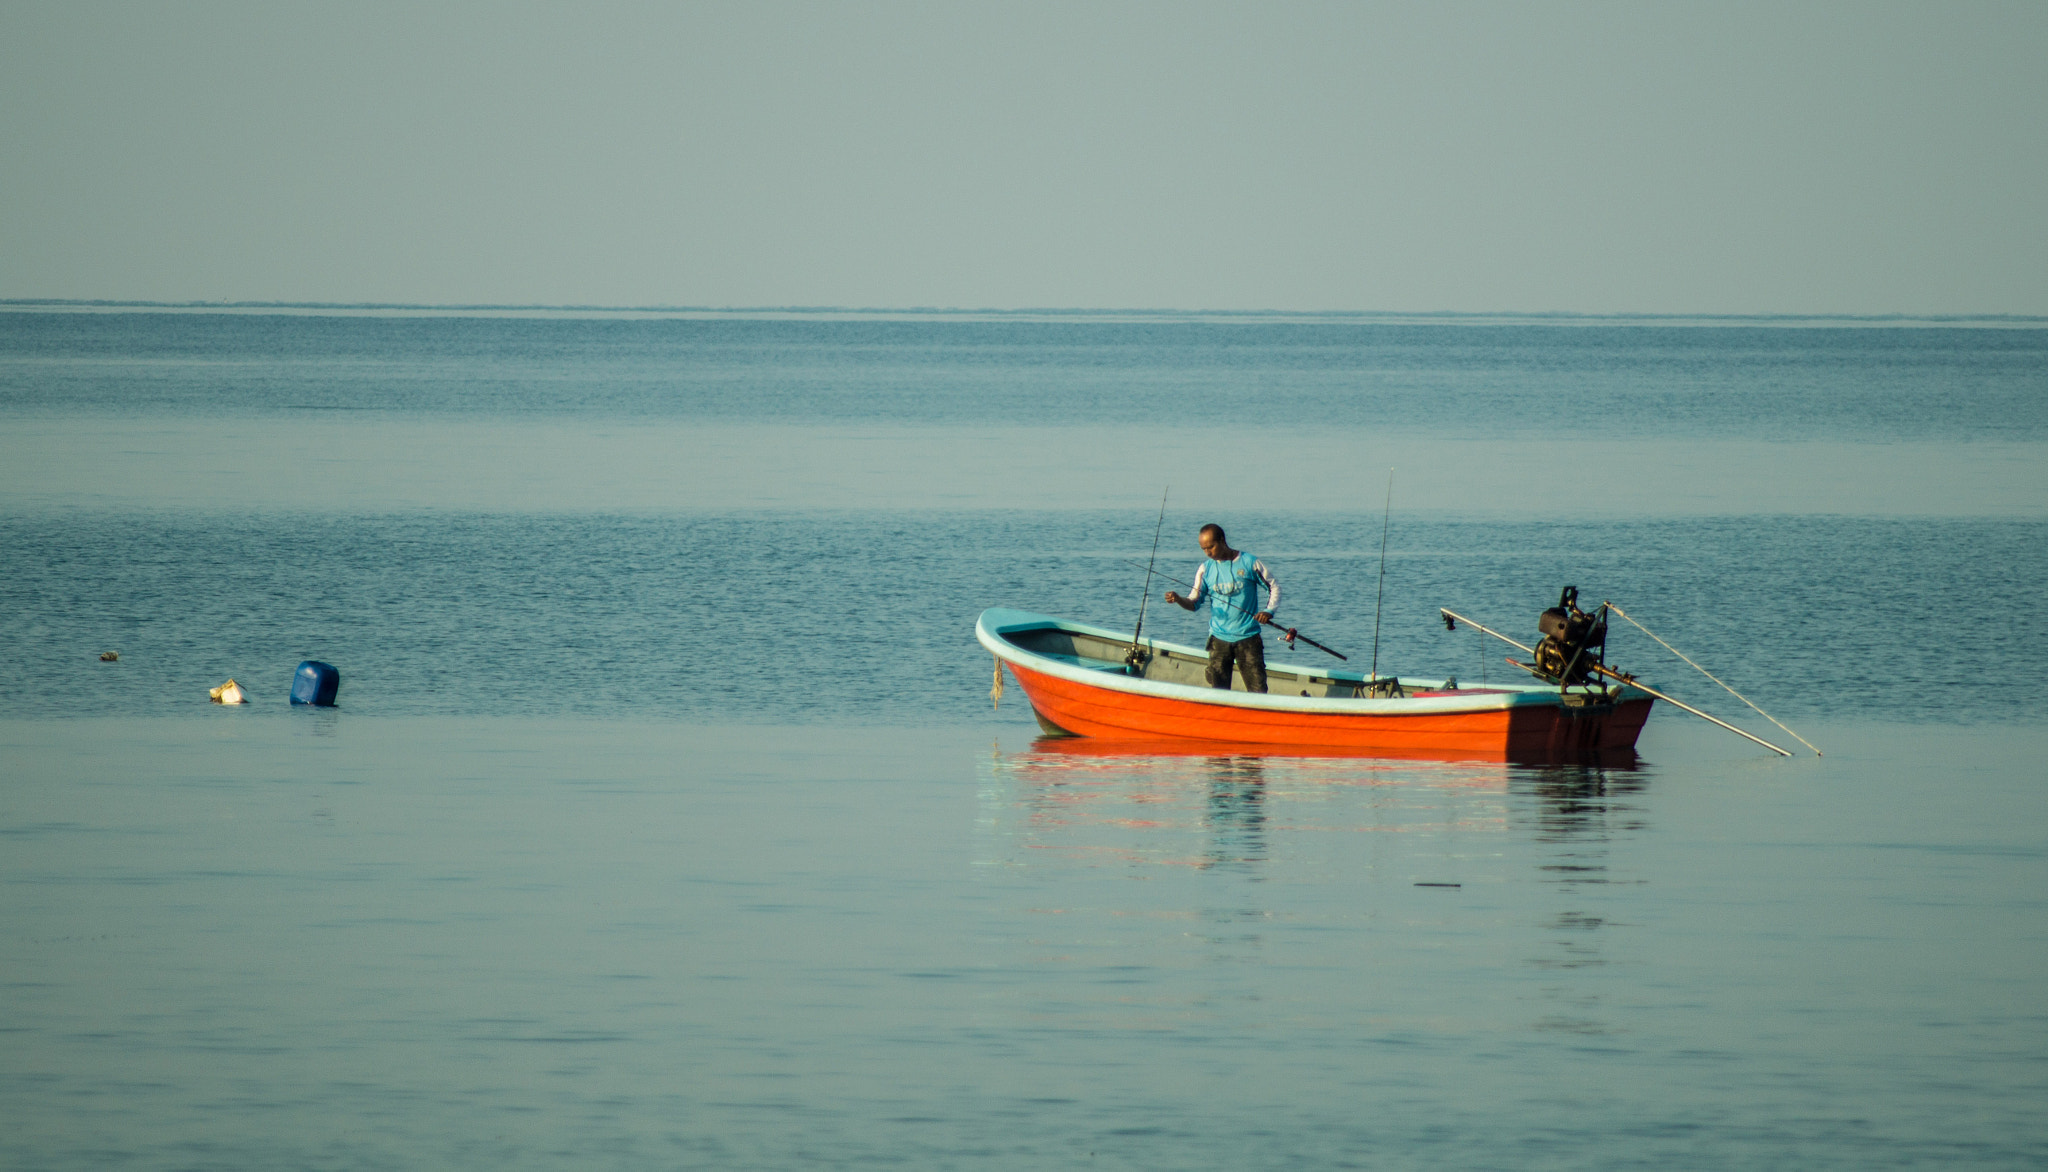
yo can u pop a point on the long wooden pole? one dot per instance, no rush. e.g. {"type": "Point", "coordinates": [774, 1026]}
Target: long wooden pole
{"type": "Point", "coordinates": [1710, 675]}
{"type": "Point", "coordinates": [1619, 678]}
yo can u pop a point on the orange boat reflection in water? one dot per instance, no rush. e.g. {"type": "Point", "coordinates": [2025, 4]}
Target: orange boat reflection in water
{"type": "Point", "coordinates": [1249, 807]}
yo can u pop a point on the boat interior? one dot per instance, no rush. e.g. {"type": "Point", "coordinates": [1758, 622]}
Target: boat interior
{"type": "Point", "coordinates": [1178, 667]}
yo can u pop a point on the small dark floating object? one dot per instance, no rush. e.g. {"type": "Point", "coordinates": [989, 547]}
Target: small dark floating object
{"type": "Point", "coordinates": [109, 656]}
{"type": "Point", "coordinates": [1439, 885]}
{"type": "Point", "coordinates": [316, 683]}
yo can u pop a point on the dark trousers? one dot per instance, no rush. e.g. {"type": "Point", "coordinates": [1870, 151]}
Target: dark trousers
{"type": "Point", "coordinates": [1248, 654]}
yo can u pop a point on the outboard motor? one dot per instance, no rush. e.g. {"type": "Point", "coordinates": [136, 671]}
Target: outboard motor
{"type": "Point", "coordinates": [1573, 641]}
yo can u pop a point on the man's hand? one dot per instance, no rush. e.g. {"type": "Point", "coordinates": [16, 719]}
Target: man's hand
{"type": "Point", "coordinates": [1173, 596]}
{"type": "Point", "coordinates": [1264, 616]}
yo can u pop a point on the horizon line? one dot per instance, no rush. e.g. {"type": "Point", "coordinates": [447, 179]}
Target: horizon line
{"type": "Point", "coordinates": [959, 311]}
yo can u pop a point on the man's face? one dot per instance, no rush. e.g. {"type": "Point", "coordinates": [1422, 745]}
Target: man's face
{"type": "Point", "coordinates": [1208, 543]}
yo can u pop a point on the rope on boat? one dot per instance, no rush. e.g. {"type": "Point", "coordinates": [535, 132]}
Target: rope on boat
{"type": "Point", "coordinates": [1710, 675]}
{"type": "Point", "coordinates": [995, 694]}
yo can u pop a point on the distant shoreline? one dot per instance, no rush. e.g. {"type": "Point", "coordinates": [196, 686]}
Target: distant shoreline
{"type": "Point", "coordinates": [828, 313]}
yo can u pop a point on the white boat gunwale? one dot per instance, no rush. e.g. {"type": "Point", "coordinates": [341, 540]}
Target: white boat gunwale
{"type": "Point", "coordinates": [994, 624]}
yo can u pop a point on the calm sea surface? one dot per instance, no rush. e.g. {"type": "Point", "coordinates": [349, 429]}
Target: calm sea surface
{"type": "Point", "coordinates": [665, 820]}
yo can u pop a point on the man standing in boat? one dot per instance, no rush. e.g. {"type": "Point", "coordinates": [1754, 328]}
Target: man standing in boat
{"type": "Point", "coordinates": [1230, 582]}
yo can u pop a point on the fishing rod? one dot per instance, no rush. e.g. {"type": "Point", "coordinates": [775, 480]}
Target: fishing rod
{"type": "Point", "coordinates": [1453, 618]}
{"type": "Point", "coordinates": [1385, 520]}
{"type": "Point", "coordinates": [1287, 633]}
{"type": "Point", "coordinates": [1133, 658]}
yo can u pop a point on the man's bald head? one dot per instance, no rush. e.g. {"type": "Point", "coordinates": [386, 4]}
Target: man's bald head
{"type": "Point", "coordinates": [1213, 545]}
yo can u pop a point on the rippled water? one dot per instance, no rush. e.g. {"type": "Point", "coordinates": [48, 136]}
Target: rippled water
{"type": "Point", "coordinates": [835, 617]}
{"type": "Point", "coordinates": [1445, 378]}
{"type": "Point", "coordinates": [272, 939]}
{"type": "Point", "coordinates": [665, 822]}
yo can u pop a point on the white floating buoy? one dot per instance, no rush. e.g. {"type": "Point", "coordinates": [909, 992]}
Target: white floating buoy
{"type": "Point", "coordinates": [228, 693]}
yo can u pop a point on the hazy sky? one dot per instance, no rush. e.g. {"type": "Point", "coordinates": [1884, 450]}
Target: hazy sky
{"type": "Point", "coordinates": [1716, 158]}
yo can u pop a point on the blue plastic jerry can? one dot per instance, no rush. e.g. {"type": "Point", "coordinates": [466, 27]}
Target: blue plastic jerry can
{"type": "Point", "coordinates": [316, 683]}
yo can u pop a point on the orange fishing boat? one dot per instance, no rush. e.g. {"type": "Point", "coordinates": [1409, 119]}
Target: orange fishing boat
{"type": "Point", "coordinates": [1093, 682]}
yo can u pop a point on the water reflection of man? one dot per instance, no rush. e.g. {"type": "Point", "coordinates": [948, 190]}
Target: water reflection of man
{"type": "Point", "coordinates": [1236, 814]}
{"type": "Point", "coordinates": [1230, 581]}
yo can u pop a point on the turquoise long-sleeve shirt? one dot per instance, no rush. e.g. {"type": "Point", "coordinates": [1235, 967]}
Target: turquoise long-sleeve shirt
{"type": "Point", "coordinates": [1232, 591]}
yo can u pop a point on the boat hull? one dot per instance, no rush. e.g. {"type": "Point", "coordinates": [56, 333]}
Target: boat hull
{"type": "Point", "coordinates": [1071, 697]}
{"type": "Point", "coordinates": [1523, 730]}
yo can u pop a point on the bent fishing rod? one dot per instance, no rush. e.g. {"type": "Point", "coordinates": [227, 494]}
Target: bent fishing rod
{"type": "Point", "coordinates": [1287, 633]}
{"type": "Point", "coordinates": [1452, 618]}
